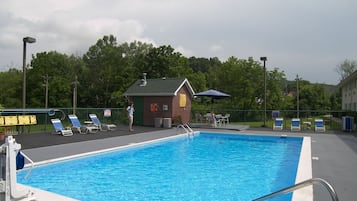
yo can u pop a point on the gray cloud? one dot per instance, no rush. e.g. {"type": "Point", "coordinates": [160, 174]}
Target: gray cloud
{"type": "Point", "coordinates": [309, 38]}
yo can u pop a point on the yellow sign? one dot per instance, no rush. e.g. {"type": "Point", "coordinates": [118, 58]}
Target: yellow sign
{"type": "Point", "coordinates": [182, 100]}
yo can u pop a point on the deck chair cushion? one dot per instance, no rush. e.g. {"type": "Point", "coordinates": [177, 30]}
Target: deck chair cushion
{"type": "Point", "coordinates": [295, 124]}
{"type": "Point", "coordinates": [95, 120]}
{"type": "Point", "coordinates": [57, 124]}
{"type": "Point", "coordinates": [80, 128]}
{"type": "Point", "coordinates": [319, 125]}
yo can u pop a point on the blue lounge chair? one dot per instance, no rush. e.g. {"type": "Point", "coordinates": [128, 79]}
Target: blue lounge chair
{"type": "Point", "coordinates": [95, 120]}
{"type": "Point", "coordinates": [57, 125]}
{"type": "Point", "coordinates": [278, 124]}
{"type": "Point", "coordinates": [319, 125]}
{"type": "Point", "coordinates": [295, 124]}
{"type": "Point", "coordinates": [77, 127]}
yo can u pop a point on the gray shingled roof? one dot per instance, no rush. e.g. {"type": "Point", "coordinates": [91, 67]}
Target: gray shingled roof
{"type": "Point", "coordinates": [158, 87]}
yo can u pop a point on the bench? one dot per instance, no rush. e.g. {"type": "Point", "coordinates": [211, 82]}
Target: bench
{"type": "Point", "coordinates": [16, 120]}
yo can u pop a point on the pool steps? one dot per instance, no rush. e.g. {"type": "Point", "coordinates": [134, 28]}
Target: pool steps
{"type": "Point", "coordinates": [187, 129]}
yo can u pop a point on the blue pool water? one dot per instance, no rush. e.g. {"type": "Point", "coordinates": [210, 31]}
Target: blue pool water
{"type": "Point", "coordinates": [206, 167]}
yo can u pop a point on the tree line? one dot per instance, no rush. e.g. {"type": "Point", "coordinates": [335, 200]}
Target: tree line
{"type": "Point", "coordinates": [107, 69]}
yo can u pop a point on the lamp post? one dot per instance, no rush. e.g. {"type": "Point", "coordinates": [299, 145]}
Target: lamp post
{"type": "Point", "coordinates": [265, 90]}
{"type": "Point", "coordinates": [25, 40]}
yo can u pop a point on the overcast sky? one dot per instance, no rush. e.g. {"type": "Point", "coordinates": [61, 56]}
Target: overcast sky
{"type": "Point", "coordinates": [308, 38]}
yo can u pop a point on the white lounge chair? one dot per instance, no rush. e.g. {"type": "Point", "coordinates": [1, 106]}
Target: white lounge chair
{"type": "Point", "coordinates": [278, 124]}
{"type": "Point", "coordinates": [77, 127]}
{"type": "Point", "coordinates": [95, 121]}
{"type": "Point", "coordinates": [57, 125]}
{"type": "Point", "coordinates": [295, 124]}
{"type": "Point", "coordinates": [319, 125]}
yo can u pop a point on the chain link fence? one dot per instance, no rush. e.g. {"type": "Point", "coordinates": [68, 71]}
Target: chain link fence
{"type": "Point", "coordinates": [255, 118]}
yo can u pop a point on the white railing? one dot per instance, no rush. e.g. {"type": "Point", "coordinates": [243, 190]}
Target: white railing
{"type": "Point", "coordinates": [187, 129]}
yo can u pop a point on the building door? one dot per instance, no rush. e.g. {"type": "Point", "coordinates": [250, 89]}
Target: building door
{"type": "Point", "coordinates": [139, 110]}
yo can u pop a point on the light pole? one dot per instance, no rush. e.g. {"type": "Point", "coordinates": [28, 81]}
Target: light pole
{"type": "Point", "coordinates": [25, 40]}
{"type": "Point", "coordinates": [297, 95]}
{"type": "Point", "coordinates": [265, 90]}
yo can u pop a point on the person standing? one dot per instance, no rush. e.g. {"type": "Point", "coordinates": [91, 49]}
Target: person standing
{"type": "Point", "coordinates": [131, 110]}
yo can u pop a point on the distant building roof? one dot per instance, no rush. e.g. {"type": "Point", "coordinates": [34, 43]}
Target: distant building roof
{"type": "Point", "coordinates": [158, 87]}
{"type": "Point", "coordinates": [348, 79]}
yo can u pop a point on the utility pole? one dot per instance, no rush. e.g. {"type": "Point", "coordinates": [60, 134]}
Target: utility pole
{"type": "Point", "coordinates": [297, 95]}
{"type": "Point", "coordinates": [45, 80]}
{"type": "Point", "coordinates": [75, 83]}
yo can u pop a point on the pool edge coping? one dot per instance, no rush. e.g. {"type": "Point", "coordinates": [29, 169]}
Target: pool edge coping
{"type": "Point", "coordinates": [304, 172]}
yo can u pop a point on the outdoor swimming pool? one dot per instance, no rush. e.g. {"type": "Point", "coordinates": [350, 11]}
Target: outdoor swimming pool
{"type": "Point", "coordinates": [209, 166]}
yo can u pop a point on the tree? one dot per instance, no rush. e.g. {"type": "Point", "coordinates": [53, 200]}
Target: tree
{"type": "Point", "coordinates": [313, 97]}
{"type": "Point", "coordinates": [105, 73]}
{"type": "Point", "coordinates": [346, 68]}
{"type": "Point", "coordinates": [240, 78]}
{"type": "Point", "coordinates": [60, 70]}
{"type": "Point", "coordinates": [11, 87]}
{"type": "Point", "coordinates": [275, 89]}
{"type": "Point", "coordinates": [202, 64]}
{"type": "Point", "coordinates": [160, 62]}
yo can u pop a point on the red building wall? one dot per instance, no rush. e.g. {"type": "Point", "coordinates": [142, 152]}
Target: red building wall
{"type": "Point", "coordinates": [183, 112]}
{"type": "Point", "coordinates": [166, 107]}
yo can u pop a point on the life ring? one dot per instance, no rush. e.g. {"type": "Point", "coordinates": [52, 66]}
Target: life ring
{"type": "Point", "coordinates": [154, 107]}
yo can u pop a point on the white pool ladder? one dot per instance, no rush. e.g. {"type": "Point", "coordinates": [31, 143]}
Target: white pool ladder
{"type": "Point", "coordinates": [187, 129]}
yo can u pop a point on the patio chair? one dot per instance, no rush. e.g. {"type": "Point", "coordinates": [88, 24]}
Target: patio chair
{"type": "Point", "coordinates": [278, 124]}
{"type": "Point", "coordinates": [295, 124]}
{"type": "Point", "coordinates": [96, 122]}
{"type": "Point", "coordinates": [319, 125]}
{"type": "Point", "coordinates": [57, 125]}
{"type": "Point", "coordinates": [77, 127]}
{"type": "Point", "coordinates": [225, 118]}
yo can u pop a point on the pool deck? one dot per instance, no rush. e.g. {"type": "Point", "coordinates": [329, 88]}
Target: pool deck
{"type": "Point", "coordinates": [334, 154]}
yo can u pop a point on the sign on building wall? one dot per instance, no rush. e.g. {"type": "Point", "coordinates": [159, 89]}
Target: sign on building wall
{"type": "Point", "coordinates": [182, 100]}
{"type": "Point", "coordinates": [154, 107]}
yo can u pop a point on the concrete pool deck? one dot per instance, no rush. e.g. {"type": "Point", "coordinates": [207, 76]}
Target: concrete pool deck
{"type": "Point", "coordinates": [334, 155]}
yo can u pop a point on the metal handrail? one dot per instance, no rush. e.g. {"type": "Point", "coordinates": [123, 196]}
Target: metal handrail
{"type": "Point", "coordinates": [187, 128]}
{"type": "Point", "coordinates": [297, 186]}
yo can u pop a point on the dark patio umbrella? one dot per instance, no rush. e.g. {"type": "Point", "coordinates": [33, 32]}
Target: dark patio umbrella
{"type": "Point", "coordinates": [213, 94]}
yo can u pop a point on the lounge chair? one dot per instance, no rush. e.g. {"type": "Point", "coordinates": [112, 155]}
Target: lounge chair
{"type": "Point", "coordinates": [319, 125]}
{"type": "Point", "coordinates": [295, 124]}
{"type": "Point", "coordinates": [57, 125]}
{"type": "Point", "coordinates": [95, 120]}
{"type": "Point", "coordinates": [77, 127]}
{"type": "Point", "coordinates": [278, 124]}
